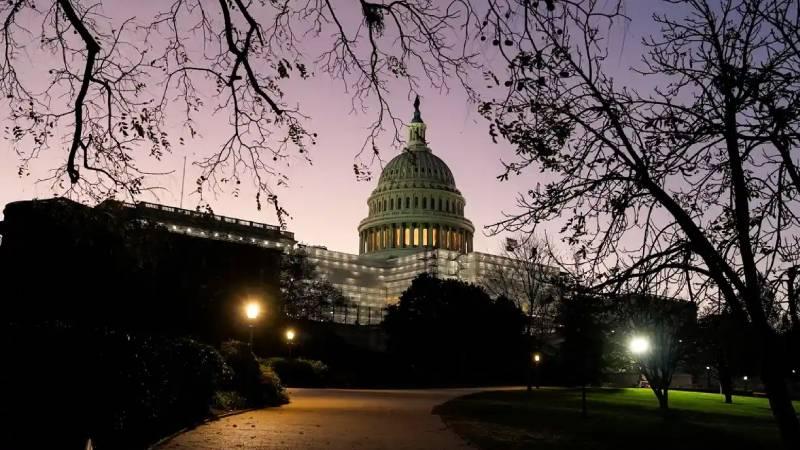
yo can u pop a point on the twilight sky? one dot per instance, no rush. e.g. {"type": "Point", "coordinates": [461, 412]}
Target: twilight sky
{"type": "Point", "coordinates": [324, 199]}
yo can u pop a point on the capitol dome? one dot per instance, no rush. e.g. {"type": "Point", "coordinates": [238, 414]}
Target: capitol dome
{"type": "Point", "coordinates": [416, 205]}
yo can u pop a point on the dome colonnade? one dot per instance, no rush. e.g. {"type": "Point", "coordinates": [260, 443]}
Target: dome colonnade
{"type": "Point", "coordinates": [416, 204]}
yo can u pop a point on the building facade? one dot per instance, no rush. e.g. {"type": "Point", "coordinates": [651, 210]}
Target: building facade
{"type": "Point", "coordinates": [415, 223]}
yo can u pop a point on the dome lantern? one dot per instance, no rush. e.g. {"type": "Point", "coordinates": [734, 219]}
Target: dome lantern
{"type": "Point", "coordinates": [416, 130]}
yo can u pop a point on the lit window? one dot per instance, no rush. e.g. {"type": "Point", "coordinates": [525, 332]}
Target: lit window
{"type": "Point", "coordinates": [407, 238]}
{"type": "Point", "coordinates": [416, 236]}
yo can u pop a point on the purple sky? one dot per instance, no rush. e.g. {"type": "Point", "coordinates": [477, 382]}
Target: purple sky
{"type": "Point", "coordinates": [324, 199]}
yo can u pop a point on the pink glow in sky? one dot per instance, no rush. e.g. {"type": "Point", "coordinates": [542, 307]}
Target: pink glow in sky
{"type": "Point", "coordinates": [324, 199]}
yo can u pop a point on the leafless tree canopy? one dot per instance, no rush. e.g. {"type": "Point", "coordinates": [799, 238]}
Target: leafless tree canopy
{"type": "Point", "coordinates": [686, 189]}
{"type": "Point", "coordinates": [118, 87]}
{"type": "Point", "coordinates": [530, 280]}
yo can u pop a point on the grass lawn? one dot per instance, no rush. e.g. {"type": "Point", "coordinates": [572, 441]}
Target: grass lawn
{"type": "Point", "coordinates": [549, 418]}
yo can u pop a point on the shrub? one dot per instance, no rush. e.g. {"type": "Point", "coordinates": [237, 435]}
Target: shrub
{"type": "Point", "coordinates": [123, 390]}
{"type": "Point", "coordinates": [228, 401]}
{"type": "Point", "coordinates": [299, 372]}
{"type": "Point", "coordinates": [260, 386]}
{"type": "Point", "coordinates": [271, 391]}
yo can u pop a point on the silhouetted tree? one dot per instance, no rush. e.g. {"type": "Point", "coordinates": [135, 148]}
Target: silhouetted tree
{"type": "Point", "coordinates": [303, 294]}
{"type": "Point", "coordinates": [585, 352]}
{"type": "Point", "coordinates": [446, 331]}
{"type": "Point", "coordinates": [691, 183]}
{"type": "Point", "coordinates": [668, 326]}
{"type": "Point", "coordinates": [528, 279]}
{"type": "Point", "coordinates": [115, 85]}
{"type": "Point", "coordinates": [722, 346]}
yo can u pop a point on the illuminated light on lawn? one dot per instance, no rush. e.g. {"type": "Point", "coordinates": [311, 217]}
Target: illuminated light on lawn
{"type": "Point", "coordinates": [639, 345]}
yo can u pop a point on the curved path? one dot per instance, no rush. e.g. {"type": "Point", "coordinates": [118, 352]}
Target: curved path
{"type": "Point", "coordinates": [333, 419]}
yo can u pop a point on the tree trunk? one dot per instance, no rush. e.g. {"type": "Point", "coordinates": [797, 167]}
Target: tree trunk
{"type": "Point", "coordinates": [662, 394]}
{"type": "Point", "coordinates": [726, 383]}
{"type": "Point", "coordinates": [584, 413]}
{"type": "Point", "coordinates": [779, 400]}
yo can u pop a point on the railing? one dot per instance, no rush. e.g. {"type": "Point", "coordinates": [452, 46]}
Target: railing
{"type": "Point", "coordinates": [230, 220]}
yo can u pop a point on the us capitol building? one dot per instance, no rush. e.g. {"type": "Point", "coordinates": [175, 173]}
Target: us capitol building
{"type": "Point", "coordinates": [415, 223]}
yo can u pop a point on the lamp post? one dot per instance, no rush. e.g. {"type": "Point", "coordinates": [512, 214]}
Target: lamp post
{"type": "Point", "coordinates": [290, 340]}
{"type": "Point", "coordinates": [639, 346]}
{"type": "Point", "coordinates": [746, 383]}
{"type": "Point", "coordinates": [708, 377]}
{"type": "Point", "coordinates": [537, 357]}
{"type": "Point", "coordinates": [252, 310]}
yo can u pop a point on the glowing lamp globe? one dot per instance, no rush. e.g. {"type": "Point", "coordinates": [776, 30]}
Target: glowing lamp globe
{"type": "Point", "coordinates": [639, 345]}
{"type": "Point", "coordinates": [252, 310]}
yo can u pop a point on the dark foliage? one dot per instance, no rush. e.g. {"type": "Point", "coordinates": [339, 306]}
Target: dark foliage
{"type": "Point", "coordinates": [299, 372]}
{"type": "Point", "coordinates": [587, 350]}
{"type": "Point", "coordinates": [122, 390]}
{"type": "Point", "coordinates": [257, 383]}
{"type": "Point", "coordinates": [303, 296]}
{"type": "Point", "coordinates": [446, 331]}
{"type": "Point", "coordinates": [725, 349]}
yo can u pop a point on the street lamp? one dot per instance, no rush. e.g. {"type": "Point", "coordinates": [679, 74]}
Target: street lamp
{"type": "Point", "coordinates": [252, 310]}
{"type": "Point", "coordinates": [290, 340]}
{"type": "Point", "coordinates": [639, 345]}
{"type": "Point", "coordinates": [708, 377]}
{"type": "Point", "coordinates": [537, 357]}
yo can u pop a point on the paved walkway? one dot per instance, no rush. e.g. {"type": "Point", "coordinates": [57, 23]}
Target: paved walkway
{"type": "Point", "coordinates": [334, 419]}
